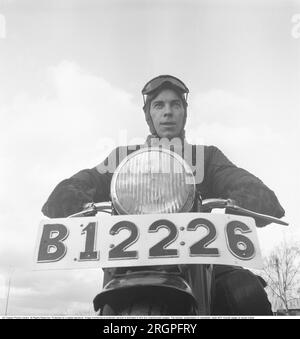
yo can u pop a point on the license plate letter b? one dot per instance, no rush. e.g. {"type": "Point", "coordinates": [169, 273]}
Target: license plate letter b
{"type": "Point", "coordinates": [51, 246]}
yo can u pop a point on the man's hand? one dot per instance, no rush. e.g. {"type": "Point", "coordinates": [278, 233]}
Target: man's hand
{"type": "Point", "coordinates": [257, 199]}
{"type": "Point", "coordinates": [67, 199]}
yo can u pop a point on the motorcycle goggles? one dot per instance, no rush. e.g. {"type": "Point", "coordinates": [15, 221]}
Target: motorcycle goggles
{"type": "Point", "coordinates": [161, 80]}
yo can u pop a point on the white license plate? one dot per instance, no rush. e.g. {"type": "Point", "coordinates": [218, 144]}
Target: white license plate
{"type": "Point", "coordinates": [141, 240]}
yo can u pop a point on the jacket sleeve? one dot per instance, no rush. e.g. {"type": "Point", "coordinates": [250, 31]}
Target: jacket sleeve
{"type": "Point", "coordinates": [71, 194]}
{"type": "Point", "coordinates": [229, 181]}
{"type": "Point", "coordinates": [88, 185]}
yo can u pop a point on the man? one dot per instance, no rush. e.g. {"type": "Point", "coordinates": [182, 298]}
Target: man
{"type": "Point", "coordinates": [238, 291]}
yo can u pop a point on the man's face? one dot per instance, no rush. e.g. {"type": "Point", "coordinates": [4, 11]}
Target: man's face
{"type": "Point", "coordinates": [167, 113]}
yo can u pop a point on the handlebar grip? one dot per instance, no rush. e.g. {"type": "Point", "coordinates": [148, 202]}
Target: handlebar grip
{"type": "Point", "coordinates": [229, 204]}
{"type": "Point", "coordinates": [266, 217]}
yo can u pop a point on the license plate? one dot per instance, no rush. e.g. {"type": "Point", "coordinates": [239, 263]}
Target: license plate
{"type": "Point", "coordinates": [142, 240]}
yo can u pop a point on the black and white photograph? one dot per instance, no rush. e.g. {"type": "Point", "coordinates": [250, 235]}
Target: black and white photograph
{"type": "Point", "coordinates": [149, 160]}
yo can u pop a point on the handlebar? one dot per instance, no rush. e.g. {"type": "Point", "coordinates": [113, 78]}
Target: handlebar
{"type": "Point", "coordinates": [229, 204]}
{"type": "Point", "coordinates": [91, 209]}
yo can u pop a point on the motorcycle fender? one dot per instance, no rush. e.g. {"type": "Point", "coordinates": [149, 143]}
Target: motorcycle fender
{"type": "Point", "coordinates": [167, 285]}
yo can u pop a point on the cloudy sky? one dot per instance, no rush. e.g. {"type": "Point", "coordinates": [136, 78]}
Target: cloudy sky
{"type": "Point", "coordinates": [71, 73]}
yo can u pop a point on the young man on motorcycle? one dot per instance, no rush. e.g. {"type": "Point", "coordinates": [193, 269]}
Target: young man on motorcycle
{"type": "Point", "coordinates": [237, 291]}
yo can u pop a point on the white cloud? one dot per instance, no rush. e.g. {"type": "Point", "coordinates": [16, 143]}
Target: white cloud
{"type": "Point", "coordinates": [230, 119]}
{"type": "Point", "coordinates": [245, 133]}
{"type": "Point", "coordinates": [241, 136]}
{"type": "Point", "coordinates": [54, 135]}
{"type": "Point", "coordinates": [227, 108]}
{"type": "Point", "coordinates": [76, 111]}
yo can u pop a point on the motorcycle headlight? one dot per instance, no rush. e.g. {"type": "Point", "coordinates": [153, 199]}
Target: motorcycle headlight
{"type": "Point", "coordinates": [153, 180]}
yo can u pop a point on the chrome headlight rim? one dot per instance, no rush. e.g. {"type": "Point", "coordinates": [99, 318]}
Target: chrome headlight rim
{"type": "Point", "coordinates": [186, 207]}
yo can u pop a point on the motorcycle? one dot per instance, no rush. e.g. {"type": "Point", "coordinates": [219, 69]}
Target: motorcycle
{"type": "Point", "coordinates": [160, 240]}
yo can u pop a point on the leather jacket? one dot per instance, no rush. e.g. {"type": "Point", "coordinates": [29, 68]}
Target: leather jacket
{"type": "Point", "coordinates": [221, 179]}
